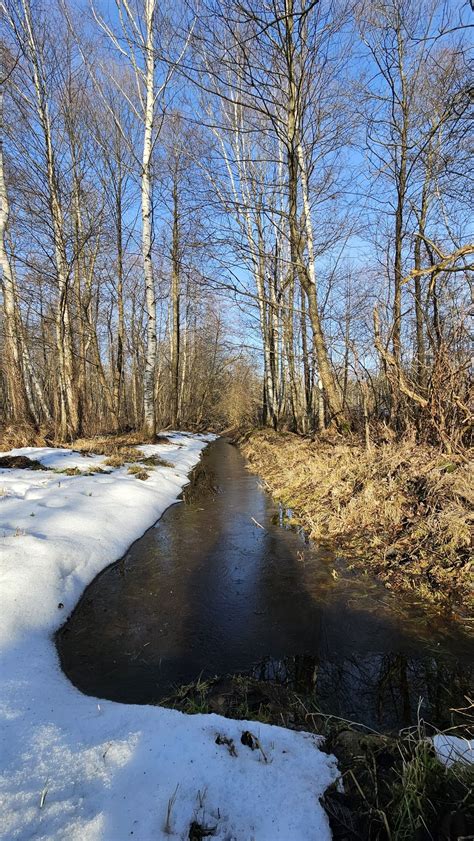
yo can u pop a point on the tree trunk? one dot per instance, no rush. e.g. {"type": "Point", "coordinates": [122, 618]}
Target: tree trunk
{"type": "Point", "coordinates": [175, 313]}
{"type": "Point", "coordinates": [21, 407]}
{"type": "Point", "coordinates": [401, 184]}
{"type": "Point", "coordinates": [69, 417]}
{"type": "Point", "coordinates": [118, 376]}
{"type": "Point", "coordinates": [306, 365]}
{"type": "Point", "coordinates": [26, 392]}
{"type": "Point", "coordinates": [149, 409]}
{"type": "Point", "coordinates": [305, 270]}
{"type": "Point", "coordinates": [420, 340]}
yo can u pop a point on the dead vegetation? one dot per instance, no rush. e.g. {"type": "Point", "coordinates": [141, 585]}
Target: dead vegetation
{"type": "Point", "coordinates": [402, 510]}
{"type": "Point", "coordinates": [395, 788]}
{"type": "Point", "coordinates": [122, 457]}
{"type": "Point", "coordinates": [122, 450]}
{"type": "Point", "coordinates": [155, 461]}
{"type": "Point", "coordinates": [138, 471]}
{"type": "Point", "coordinates": [229, 743]}
{"type": "Point", "coordinates": [23, 435]}
{"type": "Point", "coordinates": [119, 449]}
{"type": "Point", "coordinates": [197, 831]}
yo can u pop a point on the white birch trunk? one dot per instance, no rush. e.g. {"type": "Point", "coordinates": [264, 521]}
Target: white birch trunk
{"type": "Point", "coordinates": [23, 380]}
{"type": "Point", "coordinates": [149, 411]}
{"type": "Point", "coordinates": [69, 419]}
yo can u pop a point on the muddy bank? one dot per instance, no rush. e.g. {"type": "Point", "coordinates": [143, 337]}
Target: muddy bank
{"type": "Point", "coordinates": [399, 511]}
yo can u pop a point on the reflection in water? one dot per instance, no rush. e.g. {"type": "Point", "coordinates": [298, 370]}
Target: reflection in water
{"type": "Point", "coordinates": [217, 586]}
{"type": "Point", "coordinates": [383, 691]}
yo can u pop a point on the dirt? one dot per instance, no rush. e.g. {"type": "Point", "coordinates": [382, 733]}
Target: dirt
{"type": "Point", "coordinates": [20, 463]}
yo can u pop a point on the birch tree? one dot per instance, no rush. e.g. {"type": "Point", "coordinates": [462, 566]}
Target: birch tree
{"type": "Point", "coordinates": [32, 41]}
{"type": "Point", "coordinates": [275, 52]}
{"type": "Point", "coordinates": [138, 34]}
{"type": "Point", "coordinates": [244, 191]}
{"type": "Point", "coordinates": [409, 109]}
{"type": "Point", "coordinates": [137, 43]}
{"type": "Point", "coordinates": [26, 393]}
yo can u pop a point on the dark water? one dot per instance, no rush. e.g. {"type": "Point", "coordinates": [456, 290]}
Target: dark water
{"type": "Point", "coordinates": [208, 591]}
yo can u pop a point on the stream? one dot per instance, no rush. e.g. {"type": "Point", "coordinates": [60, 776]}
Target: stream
{"type": "Point", "coordinates": [220, 585]}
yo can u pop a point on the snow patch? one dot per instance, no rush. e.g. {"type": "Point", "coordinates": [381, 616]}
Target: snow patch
{"type": "Point", "coordinates": [450, 749]}
{"type": "Point", "coordinates": [56, 458]}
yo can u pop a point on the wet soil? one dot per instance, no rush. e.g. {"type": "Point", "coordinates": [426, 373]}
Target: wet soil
{"type": "Point", "coordinates": [220, 586]}
{"type": "Point", "coordinates": [20, 463]}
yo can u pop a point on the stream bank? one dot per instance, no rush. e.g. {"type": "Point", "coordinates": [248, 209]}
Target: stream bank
{"type": "Point", "coordinates": [398, 511]}
{"type": "Point", "coordinates": [394, 788]}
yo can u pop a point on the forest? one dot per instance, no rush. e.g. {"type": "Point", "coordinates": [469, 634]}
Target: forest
{"type": "Point", "coordinates": [236, 420]}
{"type": "Point", "coordinates": [228, 215]}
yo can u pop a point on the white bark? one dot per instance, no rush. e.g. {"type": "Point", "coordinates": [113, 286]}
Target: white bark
{"type": "Point", "coordinates": [149, 410]}
{"type": "Point", "coordinates": [69, 420]}
{"type": "Point", "coordinates": [24, 382]}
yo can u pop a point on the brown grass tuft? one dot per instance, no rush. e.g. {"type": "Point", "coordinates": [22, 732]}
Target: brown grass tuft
{"type": "Point", "coordinates": [120, 449]}
{"type": "Point", "coordinates": [138, 471]}
{"type": "Point", "coordinates": [122, 457]}
{"type": "Point", "coordinates": [156, 461]}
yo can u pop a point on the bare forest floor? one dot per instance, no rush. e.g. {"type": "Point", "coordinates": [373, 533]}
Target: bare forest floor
{"type": "Point", "coordinates": [399, 510]}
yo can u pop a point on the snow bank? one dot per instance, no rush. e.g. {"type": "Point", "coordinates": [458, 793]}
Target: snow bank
{"type": "Point", "coordinates": [450, 749]}
{"type": "Point", "coordinates": [82, 769]}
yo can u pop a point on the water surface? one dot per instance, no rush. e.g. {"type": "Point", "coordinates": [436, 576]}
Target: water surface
{"type": "Point", "coordinates": [218, 586]}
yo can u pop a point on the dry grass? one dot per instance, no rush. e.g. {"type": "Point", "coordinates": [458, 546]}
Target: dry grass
{"type": "Point", "coordinates": [401, 509]}
{"type": "Point", "coordinates": [23, 435]}
{"type": "Point", "coordinates": [111, 444]}
{"type": "Point", "coordinates": [68, 471]}
{"type": "Point", "coordinates": [121, 458]}
{"type": "Point", "coordinates": [121, 450]}
{"type": "Point", "coordinates": [121, 447]}
{"type": "Point", "coordinates": [156, 461]}
{"type": "Point", "coordinates": [138, 471]}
